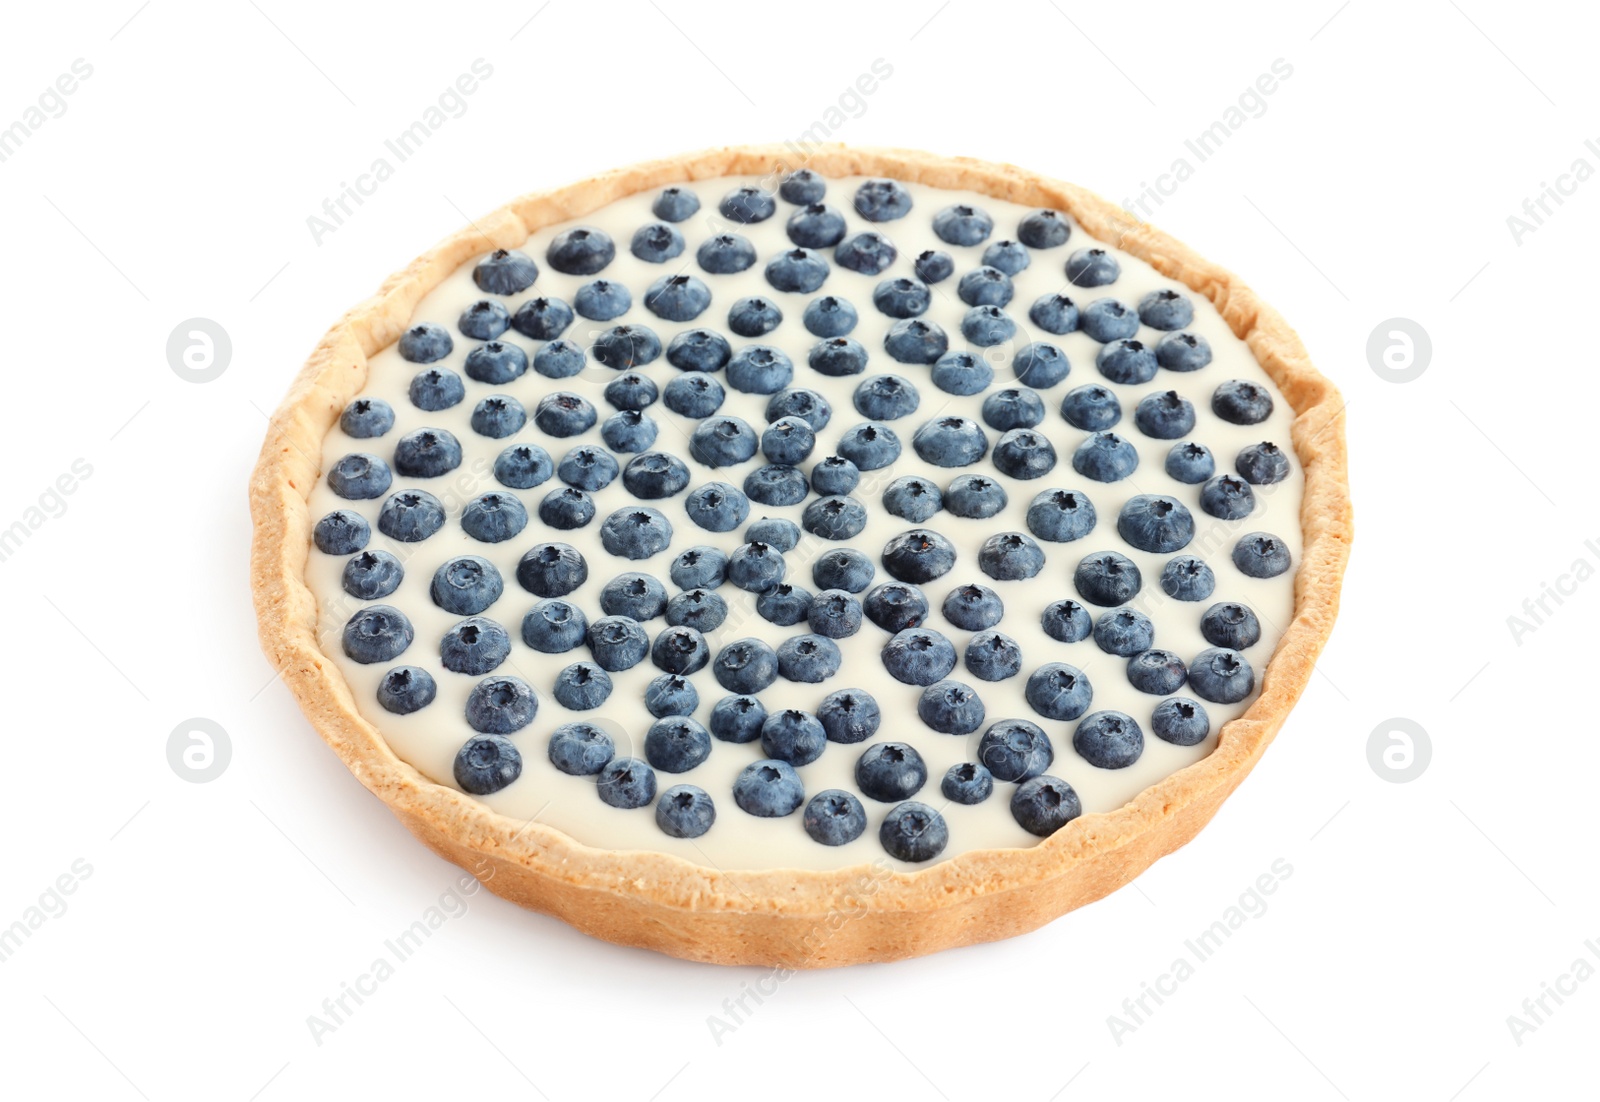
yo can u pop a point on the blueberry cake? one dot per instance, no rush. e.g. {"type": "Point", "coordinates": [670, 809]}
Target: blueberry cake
{"type": "Point", "coordinates": [726, 544]}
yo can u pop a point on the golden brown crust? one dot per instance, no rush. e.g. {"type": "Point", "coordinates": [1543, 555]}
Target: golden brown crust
{"type": "Point", "coordinates": [785, 918]}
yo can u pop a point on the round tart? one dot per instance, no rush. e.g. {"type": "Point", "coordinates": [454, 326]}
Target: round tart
{"type": "Point", "coordinates": [802, 563]}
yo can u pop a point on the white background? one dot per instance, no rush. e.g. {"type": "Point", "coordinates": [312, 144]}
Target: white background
{"type": "Point", "coordinates": [218, 916]}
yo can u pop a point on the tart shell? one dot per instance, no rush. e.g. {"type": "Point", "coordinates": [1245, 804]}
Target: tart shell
{"type": "Point", "coordinates": [784, 918]}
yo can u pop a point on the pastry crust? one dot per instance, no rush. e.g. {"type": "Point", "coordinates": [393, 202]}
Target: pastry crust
{"type": "Point", "coordinates": [784, 918]}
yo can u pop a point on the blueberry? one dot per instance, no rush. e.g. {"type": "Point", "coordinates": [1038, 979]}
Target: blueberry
{"type": "Point", "coordinates": [1059, 691]}
{"type": "Point", "coordinates": [676, 743]}
{"type": "Point", "coordinates": [567, 508]}
{"type": "Point", "coordinates": [1239, 402]}
{"type": "Point", "coordinates": [717, 506]}
{"type": "Point", "coordinates": [868, 253]}
{"type": "Point", "coordinates": [1262, 464]}
{"type": "Point", "coordinates": [745, 666]}
{"type": "Point", "coordinates": [498, 416]}
{"type": "Point", "coordinates": [1091, 408]}
{"type": "Point", "coordinates": [1227, 498]}
{"type": "Point", "coordinates": [1105, 457]}
{"type": "Point", "coordinates": [1158, 672]}
{"type": "Point", "coordinates": [1066, 621]}
{"type": "Point", "coordinates": [1181, 722]}
{"type": "Point", "coordinates": [674, 204]}
{"type": "Point", "coordinates": [725, 254]}
{"type": "Point", "coordinates": [1190, 463]}
{"type": "Point", "coordinates": [871, 446]}
{"type": "Point", "coordinates": [560, 359]}
{"type": "Point", "coordinates": [914, 832]}
{"type": "Point", "coordinates": [951, 708]}
{"type": "Point", "coordinates": [1230, 625]}
{"type": "Point", "coordinates": [1040, 364]}
{"type": "Point", "coordinates": [1092, 268]}
{"type": "Point", "coordinates": [960, 224]}
{"type": "Point", "coordinates": [973, 607]}
{"type": "Point", "coordinates": [769, 789]}
{"type": "Point", "coordinates": [372, 574]}
{"type": "Point", "coordinates": [849, 716]}
{"type": "Point", "coordinates": [1186, 578]}
{"type": "Point", "coordinates": [993, 656]}
{"type": "Point", "coordinates": [776, 485]}
{"type": "Point", "coordinates": [754, 316]}
{"type": "Point", "coordinates": [950, 442]}
{"type": "Point", "coordinates": [628, 431]}
{"type": "Point", "coordinates": [760, 369]}
{"type": "Point", "coordinates": [962, 374]}
{"type": "Point", "coordinates": [1044, 804]}
{"type": "Point", "coordinates": [842, 568]}
{"type": "Point", "coordinates": [797, 271]}
{"type": "Point", "coordinates": [1108, 320]}
{"type": "Point", "coordinates": [802, 186]}
{"type": "Point", "coordinates": [919, 656]}
{"type": "Point", "coordinates": [808, 658]}
{"type": "Point", "coordinates": [341, 532]}
{"type": "Point", "coordinates": [755, 567]}
{"type": "Point", "coordinates": [723, 441]}
{"type": "Point", "coordinates": [933, 266]}
{"type": "Point", "coordinates": [834, 518]}
{"type": "Point", "coordinates": [626, 783]}
{"type": "Point", "coordinates": [1159, 525]}
{"type": "Point", "coordinates": [886, 397]}
{"type": "Point", "coordinates": [919, 556]}
{"type": "Point", "coordinates": [829, 316]}
{"type": "Point", "coordinates": [496, 363]}
{"type": "Point", "coordinates": [1044, 229]}
{"type": "Point", "coordinates": [552, 570]}
{"type": "Point", "coordinates": [1126, 361]}
{"type": "Point", "coordinates": [603, 300]}
{"type": "Point", "coordinates": [788, 441]}
{"type": "Point", "coordinates": [484, 320]}
{"type": "Point", "coordinates": [1221, 675]}
{"type": "Point", "coordinates": [1166, 309]}
{"type": "Point", "coordinates": [677, 297]}
{"type": "Point", "coordinates": [912, 498]}
{"type": "Point", "coordinates": [617, 643]}
{"type": "Point", "coordinates": [685, 811]}
{"type": "Point", "coordinates": [562, 413]}
{"type": "Point", "coordinates": [986, 326]}
{"type": "Point", "coordinates": [801, 402]}
{"type": "Point", "coordinates": [636, 533]}
{"type": "Point", "coordinates": [778, 532]}
{"type": "Point", "coordinates": [699, 568]}
{"type": "Point", "coordinates": [737, 719]}
{"type": "Point", "coordinates": [1183, 352]}
{"type": "Point", "coordinates": [466, 585]}
{"type": "Point", "coordinates": [1061, 516]}
{"type": "Point", "coordinates": [1261, 555]}
{"type": "Point", "coordinates": [1010, 557]}
{"type": "Point", "coordinates": [577, 749]}
{"type": "Point", "coordinates": [410, 516]}
{"type": "Point", "coordinates": [634, 595]}
{"type": "Point", "coordinates": [425, 342]}
{"type": "Point", "coordinates": [1009, 257]}
{"type": "Point", "coordinates": [699, 350]}
{"type": "Point", "coordinates": [656, 243]}
{"type": "Point", "coordinates": [436, 388]}
{"type": "Point", "coordinates": [700, 609]}
{"type": "Point", "coordinates": [582, 251]}
{"type": "Point", "coordinates": [486, 764]}
{"type": "Point", "coordinates": [581, 687]}
{"type": "Point", "coordinates": [406, 689]}
{"type": "Point", "coordinates": [837, 357]}
{"type": "Point", "coordinates": [974, 496]}
{"type": "Point", "coordinates": [816, 226]}
{"type": "Point", "coordinates": [366, 418]}
{"type": "Point", "coordinates": [834, 614]}
{"type": "Point", "coordinates": [746, 204]}
{"type": "Point", "coordinates": [1107, 579]}
{"type": "Point", "coordinates": [628, 346]}
{"type": "Point", "coordinates": [655, 475]}
{"type": "Point", "coordinates": [554, 626]}
{"type": "Point", "coordinates": [895, 606]}
{"type": "Point", "coordinates": [835, 475]}
{"type": "Point", "coordinates": [1124, 632]}
{"type": "Point", "coordinates": [476, 646]}
{"type": "Point", "coordinates": [793, 736]}
{"type": "Point", "coordinates": [1024, 454]}
{"type": "Point", "coordinates": [902, 297]}
{"type": "Point", "coordinates": [1165, 415]}
{"type": "Point", "coordinates": [1015, 750]}
{"type": "Point", "coordinates": [835, 818]}
{"type": "Point", "coordinates": [890, 771]}
{"type": "Point", "coordinates": [882, 200]}
{"type": "Point", "coordinates": [543, 319]}
{"type": "Point", "coordinates": [967, 783]}
{"type": "Point", "coordinates": [985, 286]}
{"type": "Point", "coordinates": [501, 705]}
{"type": "Point", "coordinates": [1109, 740]}
{"type": "Point", "coordinates": [505, 272]}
